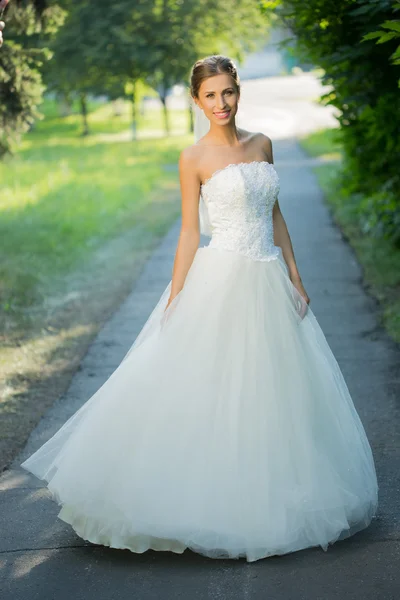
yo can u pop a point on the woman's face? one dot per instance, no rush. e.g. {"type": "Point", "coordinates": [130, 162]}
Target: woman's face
{"type": "Point", "coordinates": [219, 98]}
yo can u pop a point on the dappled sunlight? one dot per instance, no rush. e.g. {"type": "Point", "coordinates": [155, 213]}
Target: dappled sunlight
{"type": "Point", "coordinates": [59, 206]}
{"type": "Point", "coordinates": [17, 196]}
{"type": "Point", "coordinates": [17, 479]}
{"type": "Point", "coordinates": [107, 111]}
{"type": "Point", "coordinates": [109, 126]}
{"type": "Point", "coordinates": [33, 374]}
{"type": "Point", "coordinates": [43, 531]}
{"type": "Point", "coordinates": [330, 157]}
{"type": "Point", "coordinates": [36, 495]}
{"type": "Point", "coordinates": [23, 565]}
{"type": "Point", "coordinates": [38, 350]}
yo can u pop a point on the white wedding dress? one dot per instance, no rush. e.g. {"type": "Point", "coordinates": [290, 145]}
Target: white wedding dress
{"type": "Point", "coordinates": [228, 427]}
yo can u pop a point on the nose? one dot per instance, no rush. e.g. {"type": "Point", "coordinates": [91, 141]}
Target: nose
{"type": "Point", "coordinates": [220, 102]}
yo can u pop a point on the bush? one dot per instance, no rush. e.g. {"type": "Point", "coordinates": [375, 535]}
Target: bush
{"type": "Point", "coordinates": [356, 44]}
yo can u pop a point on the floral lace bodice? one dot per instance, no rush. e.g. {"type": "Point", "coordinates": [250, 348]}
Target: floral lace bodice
{"type": "Point", "coordinates": [239, 200]}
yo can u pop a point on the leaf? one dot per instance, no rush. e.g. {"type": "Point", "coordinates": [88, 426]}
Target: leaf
{"type": "Point", "coordinates": [386, 37]}
{"type": "Point", "coordinates": [396, 54]}
{"type": "Point", "coordinates": [371, 36]}
{"type": "Point", "coordinates": [362, 10]}
{"type": "Point", "coordinates": [392, 25]}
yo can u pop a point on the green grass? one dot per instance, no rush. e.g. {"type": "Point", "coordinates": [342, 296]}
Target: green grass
{"type": "Point", "coordinates": [379, 258]}
{"type": "Point", "coordinates": [323, 143]}
{"type": "Point", "coordinates": [64, 195]}
{"type": "Point", "coordinates": [102, 120]}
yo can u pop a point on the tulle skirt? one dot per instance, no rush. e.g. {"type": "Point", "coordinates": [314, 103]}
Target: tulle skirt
{"type": "Point", "coordinates": [227, 429]}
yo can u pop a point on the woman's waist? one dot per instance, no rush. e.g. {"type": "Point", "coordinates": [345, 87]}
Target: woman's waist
{"type": "Point", "coordinates": [256, 248]}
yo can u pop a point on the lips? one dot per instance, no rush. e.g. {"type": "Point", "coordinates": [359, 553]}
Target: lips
{"type": "Point", "coordinates": [222, 115]}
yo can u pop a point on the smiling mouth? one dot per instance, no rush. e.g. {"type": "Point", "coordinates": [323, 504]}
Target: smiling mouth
{"type": "Point", "coordinates": [223, 114]}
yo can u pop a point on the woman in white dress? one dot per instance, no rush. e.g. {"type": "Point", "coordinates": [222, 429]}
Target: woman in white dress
{"type": "Point", "coordinates": [228, 427]}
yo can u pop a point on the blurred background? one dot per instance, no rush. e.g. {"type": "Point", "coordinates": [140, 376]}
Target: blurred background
{"type": "Point", "coordinates": [94, 111]}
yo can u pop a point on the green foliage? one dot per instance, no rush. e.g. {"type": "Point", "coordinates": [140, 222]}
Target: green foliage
{"type": "Point", "coordinates": [20, 93]}
{"type": "Point", "coordinates": [101, 46]}
{"type": "Point", "coordinates": [108, 48]}
{"type": "Point", "coordinates": [29, 24]}
{"type": "Point", "coordinates": [341, 37]}
{"type": "Point", "coordinates": [379, 257]}
{"type": "Point", "coordinates": [390, 30]}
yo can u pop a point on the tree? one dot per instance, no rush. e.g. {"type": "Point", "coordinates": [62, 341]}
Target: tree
{"type": "Point", "coordinates": [186, 31]}
{"type": "Point", "coordinates": [29, 25]}
{"type": "Point", "coordinates": [389, 30]}
{"type": "Point", "coordinates": [69, 74]}
{"type": "Point", "coordinates": [103, 48]}
{"type": "Point", "coordinates": [363, 76]}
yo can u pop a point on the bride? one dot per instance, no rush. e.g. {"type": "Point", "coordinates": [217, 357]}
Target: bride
{"type": "Point", "coordinates": [227, 428]}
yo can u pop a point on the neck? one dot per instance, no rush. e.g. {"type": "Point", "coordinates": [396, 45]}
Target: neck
{"type": "Point", "coordinates": [224, 136]}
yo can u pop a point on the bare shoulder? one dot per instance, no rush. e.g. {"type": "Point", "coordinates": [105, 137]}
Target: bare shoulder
{"type": "Point", "coordinates": [190, 156]}
{"type": "Point", "coordinates": [265, 145]}
{"type": "Point", "coordinates": [189, 161]}
{"type": "Point", "coordinates": [260, 142]}
{"type": "Point", "coordinates": [187, 156]}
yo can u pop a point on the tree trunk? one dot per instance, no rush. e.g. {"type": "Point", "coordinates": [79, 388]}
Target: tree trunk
{"type": "Point", "coordinates": [134, 118]}
{"type": "Point", "coordinates": [164, 84]}
{"type": "Point", "coordinates": [84, 112]}
{"type": "Point", "coordinates": [65, 104]}
{"type": "Point", "coordinates": [191, 118]}
{"type": "Point", "coordinates": [165, 114]}
{"type": "Point", "coordinates": [134, 113]}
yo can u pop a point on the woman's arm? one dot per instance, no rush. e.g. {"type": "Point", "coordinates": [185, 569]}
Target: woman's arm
{"type": "Point", "coordinates": [282, 239]}
{"type": "Point", "coordinates": [281, 233]}
{"type": "Point", "coordinates": [189, 236]}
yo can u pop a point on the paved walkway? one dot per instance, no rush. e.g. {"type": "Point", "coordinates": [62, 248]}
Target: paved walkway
{"type": "Point", "coordinates": [42, 559]}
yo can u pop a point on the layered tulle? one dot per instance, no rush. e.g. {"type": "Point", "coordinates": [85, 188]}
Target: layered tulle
{"type": "Point", "coordinates": [227, 429]}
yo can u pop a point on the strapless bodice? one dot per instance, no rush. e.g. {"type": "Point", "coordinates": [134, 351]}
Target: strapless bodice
{"type": "Point", "coordinates": [239, 200]}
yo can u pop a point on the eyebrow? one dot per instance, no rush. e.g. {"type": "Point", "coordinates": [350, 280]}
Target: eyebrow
{"type": "Point", "coordinates": [225, 90]}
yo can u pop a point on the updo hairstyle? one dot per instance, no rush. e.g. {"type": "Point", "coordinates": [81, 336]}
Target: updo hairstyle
{"type": "Point", "coordinates": [210, 66]}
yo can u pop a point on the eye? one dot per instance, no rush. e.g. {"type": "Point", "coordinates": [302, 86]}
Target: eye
{"type": "Point", "coordinates": [209, 95]}
{"type": "Point", "coordinates": [229, 92]}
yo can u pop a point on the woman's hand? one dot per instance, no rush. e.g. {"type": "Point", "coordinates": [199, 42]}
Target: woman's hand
{"type": "Point", "coordinates": [172, 300]}
{"type": "Point", "coordinates": [168, 303]}
{"type": "Point", "coordinates": [298, 284]}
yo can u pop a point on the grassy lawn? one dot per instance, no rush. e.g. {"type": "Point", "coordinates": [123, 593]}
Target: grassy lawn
{"type": "Point", "coordinates": [378, 257]}
{"type": "Point", "coordinates": [55, 128]}
{"type": "Point", "coordinates": [64, 196]}
{"type": "Point", "coordinates": [79, 216]}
